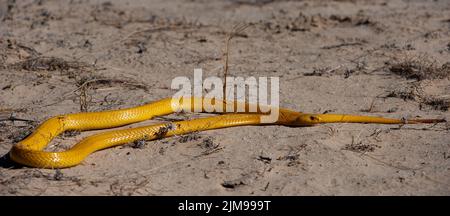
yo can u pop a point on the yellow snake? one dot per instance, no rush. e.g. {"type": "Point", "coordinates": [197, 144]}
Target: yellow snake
{"type": "Point", "coordinates": [30, 151]}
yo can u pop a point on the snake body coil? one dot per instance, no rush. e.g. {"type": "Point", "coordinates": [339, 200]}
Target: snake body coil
{"type": "Point", "coordinates": [30, 151]}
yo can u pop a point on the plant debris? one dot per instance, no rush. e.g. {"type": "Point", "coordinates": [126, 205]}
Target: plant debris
{"type": "Point", "coordinates": [232, 184]}
{"type": "Point", "coordinates": [415, 92]}
{"type": "Point", "coordinates": [359, 147]}
{"type": "Point", "coordinates": [292, 156]}
{"type": "Point", "coordinates": [71, 133]}
{"type": "Point", "coordinates": [437, 103]}
{"type": "Point", "coordinates": [264, 159]}
{"type": "Point", "coordinates": [48, 64]}
{"type": "Point", "coordinates": [189, 137]}
{"type": "Point", "coordinates": [140, 143]}
{"type": "Point", "coordinates": [420, 68]}
{"type": "Point", "coordinates": [162, 131]}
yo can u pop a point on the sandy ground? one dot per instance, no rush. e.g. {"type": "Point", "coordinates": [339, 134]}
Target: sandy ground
{"type": "Point", "coordinates": [381, 58]}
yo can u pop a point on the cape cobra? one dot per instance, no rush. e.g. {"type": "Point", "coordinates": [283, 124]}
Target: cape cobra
{"type": "Point", "coordinates": [30, 151]}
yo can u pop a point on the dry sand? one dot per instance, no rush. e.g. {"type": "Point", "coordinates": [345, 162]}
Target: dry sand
{"type": "Point", "coordinates": [381, 58]}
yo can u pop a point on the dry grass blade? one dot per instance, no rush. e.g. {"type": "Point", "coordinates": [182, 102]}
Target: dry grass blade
{"type": "Point", "coordinates": [84, 98]}
{"type": "Point", "coordinates": [237, 29]}
{"type": "Point", "coordinates": [84, 85]}
{"type": "Point", "coordinates": [109, 81]}
{"type": "Point", "coordinates": [12, 118]}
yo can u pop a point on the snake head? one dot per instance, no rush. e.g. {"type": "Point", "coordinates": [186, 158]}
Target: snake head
{"type": "Point", "coordinates": [307, 120]}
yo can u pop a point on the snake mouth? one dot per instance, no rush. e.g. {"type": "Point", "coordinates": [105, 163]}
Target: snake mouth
{"type": "Point", "coordinates": [306, 120]}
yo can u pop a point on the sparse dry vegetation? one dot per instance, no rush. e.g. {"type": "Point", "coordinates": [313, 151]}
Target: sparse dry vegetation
{"type": "Point", "coordinates": [48, 64]}
{"type": "Point", "coordinates": [415, 92]}
{"type": "Point", "coordinates": [359, 147]}
{"type": "Point", "coordinates": [420, 68]}
{"type": "Point", "coordinates": [60, 57]}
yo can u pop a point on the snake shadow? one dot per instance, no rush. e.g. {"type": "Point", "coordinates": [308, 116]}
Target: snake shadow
{"type": "Point", "coordinates": [6, 162]}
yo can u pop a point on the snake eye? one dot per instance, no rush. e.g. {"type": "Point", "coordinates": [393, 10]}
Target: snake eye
{"type": "Point", "coordinates": [312, 118]}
